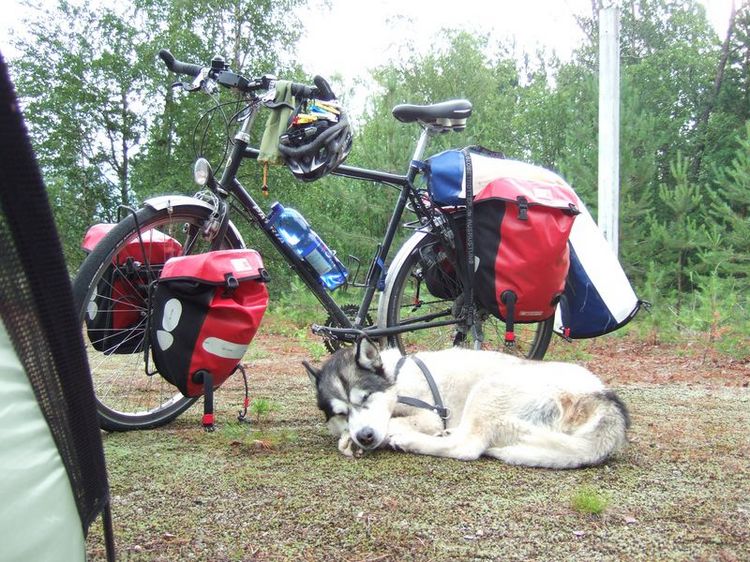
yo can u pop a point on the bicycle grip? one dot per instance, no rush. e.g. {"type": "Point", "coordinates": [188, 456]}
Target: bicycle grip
{"type": "Point", "coordinates": [321, 91]}
{"type": "Point", "coordinates": [302, 91]}
{"type": "Point", "coordinates": [179, 67]}
{"type": "Point", "coordinates": [324, 89]}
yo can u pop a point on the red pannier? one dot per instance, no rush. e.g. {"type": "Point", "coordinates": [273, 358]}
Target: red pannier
{"type": "Point", "coordinates": [116, 315]}
{"type": "Point", "coordinates": [522, 216]}
{"type": "Point", "coordinates": [205, 311]}
{"type": "Point", "coordinates": [522, 232]}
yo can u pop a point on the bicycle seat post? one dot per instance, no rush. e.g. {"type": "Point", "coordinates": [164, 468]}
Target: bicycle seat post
{"type": "Point", "coordinates": [424, 139]}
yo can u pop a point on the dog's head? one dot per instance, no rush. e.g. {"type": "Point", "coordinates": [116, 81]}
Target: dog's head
{"type": "Point", "coordinates": [355, 393]}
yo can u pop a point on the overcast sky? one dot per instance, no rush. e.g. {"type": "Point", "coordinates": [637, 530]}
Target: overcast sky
{"type": "Point", "coordinates": [353, 36]}
{"type": "Point", "coordinates": [356, 35]}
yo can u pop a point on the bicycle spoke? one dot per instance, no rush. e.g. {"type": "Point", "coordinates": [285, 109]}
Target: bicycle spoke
{"type": "Point", "coordinates": [112, 295]}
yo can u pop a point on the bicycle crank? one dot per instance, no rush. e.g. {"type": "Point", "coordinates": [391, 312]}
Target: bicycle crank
{"type": "Point", "coordinates": [332, 343]}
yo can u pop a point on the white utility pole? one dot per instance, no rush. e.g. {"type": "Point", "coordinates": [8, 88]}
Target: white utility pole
{"type": "Point", "coordinates": [609, 122]}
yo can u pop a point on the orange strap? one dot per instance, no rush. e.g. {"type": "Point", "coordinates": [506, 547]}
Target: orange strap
{"type": "Point", "coordinates": [264, 188]}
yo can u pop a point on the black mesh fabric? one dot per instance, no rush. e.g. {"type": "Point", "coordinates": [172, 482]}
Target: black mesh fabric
{"type": "Point", "coordinates": [36, 303]}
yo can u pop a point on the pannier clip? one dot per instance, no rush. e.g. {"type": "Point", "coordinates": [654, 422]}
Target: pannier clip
{"type": "Point", "coordinates": [230, 285]}
{"type": "Point", "coordinates": [523, 208]}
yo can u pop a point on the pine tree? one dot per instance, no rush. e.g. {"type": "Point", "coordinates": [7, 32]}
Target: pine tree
{"type": "Point", "coordinates": [677, 228]}
{"type": "Point", "coordinates": [730, 207]}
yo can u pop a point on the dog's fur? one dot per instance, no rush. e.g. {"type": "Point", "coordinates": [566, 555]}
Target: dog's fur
{"type": "Point", "coordinates": [531, 413]}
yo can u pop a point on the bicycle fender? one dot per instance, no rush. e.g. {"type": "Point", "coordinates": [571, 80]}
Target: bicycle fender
{"type": "Point", "coordinates": [406, 249]}
{"type": "Point", "coordinates": [163, 202]}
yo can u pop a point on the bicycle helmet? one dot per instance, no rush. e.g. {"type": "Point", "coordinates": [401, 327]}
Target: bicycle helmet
{"type": "Point", "coordinates": [318, 139]}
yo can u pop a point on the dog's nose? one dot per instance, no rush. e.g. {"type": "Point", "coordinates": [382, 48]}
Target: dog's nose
{"type": "Point", "coordinates": [366, 436]}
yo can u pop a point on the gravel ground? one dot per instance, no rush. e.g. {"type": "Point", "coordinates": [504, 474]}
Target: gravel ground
{"type": "Point", "coordinates": [280, 491]}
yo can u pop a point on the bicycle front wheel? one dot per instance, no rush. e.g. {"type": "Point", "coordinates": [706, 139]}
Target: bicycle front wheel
{"type": "Point", "coordinates": [111, 296]}
{"type": "Point", "coordinates": [425, 288]}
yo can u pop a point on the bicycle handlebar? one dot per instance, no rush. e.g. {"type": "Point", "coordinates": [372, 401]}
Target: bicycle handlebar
{"type": "Point", "coordinates": [321, 90]}
{"type": "Point", "coordinates": [179, 67]}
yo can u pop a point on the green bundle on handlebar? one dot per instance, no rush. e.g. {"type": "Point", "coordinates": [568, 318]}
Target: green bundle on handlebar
{"type": "Point", "coordinates": [281, 109]}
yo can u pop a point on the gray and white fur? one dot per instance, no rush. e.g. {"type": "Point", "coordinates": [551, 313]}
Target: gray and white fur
{"type": "Point", "coordinates": [530, 413]}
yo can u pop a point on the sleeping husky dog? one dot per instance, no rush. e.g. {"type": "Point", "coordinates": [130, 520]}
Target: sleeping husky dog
{"type": "Point", "coordinates": [531, 413]}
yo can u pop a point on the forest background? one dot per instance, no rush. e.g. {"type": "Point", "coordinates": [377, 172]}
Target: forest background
{"type": "Point", "coordinates": [109, 130]}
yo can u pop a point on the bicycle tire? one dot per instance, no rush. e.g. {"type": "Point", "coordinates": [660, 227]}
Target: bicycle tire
{"type": "Point", "coordinates": [408, 299]}
{"type": "Point", "coordinates": [127, 398]}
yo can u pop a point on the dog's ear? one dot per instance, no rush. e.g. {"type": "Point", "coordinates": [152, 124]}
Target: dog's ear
{"type": "Point", "coordinates": [368, 355]}
{"type": "Point", "coordinates": [312, 372]}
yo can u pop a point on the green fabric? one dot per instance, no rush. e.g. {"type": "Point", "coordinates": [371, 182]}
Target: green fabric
{"type": "Point", "coordinates": [38, 515]}
{"type": "Point", "coordinates": [283, 105]}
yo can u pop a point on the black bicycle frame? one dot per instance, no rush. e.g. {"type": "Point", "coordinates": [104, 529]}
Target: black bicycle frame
{"type": "Point", "coordinates": [229, 184]}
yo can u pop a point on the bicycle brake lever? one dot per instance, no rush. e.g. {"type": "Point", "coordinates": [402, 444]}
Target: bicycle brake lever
{"type": "Point", "coordinates": [203, 81]}
{"type": "Point", "coordinates": [269, 97]}
{"type": "Point", "coordinates": [189, 86]}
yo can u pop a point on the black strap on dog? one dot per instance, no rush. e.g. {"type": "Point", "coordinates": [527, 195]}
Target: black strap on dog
{"type": "Point", "coordinates": [438, 406]}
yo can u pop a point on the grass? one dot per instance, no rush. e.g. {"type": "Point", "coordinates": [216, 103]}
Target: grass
{"type": "Point", "coordinates": [241, 435]}
{"type": "Point", "coordinates": [261, 409]}
{"type": "Point", "coordinates": [280, 490]}
{"type": "Point", "coordinates": [588, 500]}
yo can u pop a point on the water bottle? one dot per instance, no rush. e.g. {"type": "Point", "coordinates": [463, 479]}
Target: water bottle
{"type": "Point", "coordinates": [297, 234]}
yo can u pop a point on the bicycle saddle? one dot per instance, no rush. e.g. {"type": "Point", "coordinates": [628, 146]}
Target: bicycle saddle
{"type": "Point", "coordinates": [445, 115]}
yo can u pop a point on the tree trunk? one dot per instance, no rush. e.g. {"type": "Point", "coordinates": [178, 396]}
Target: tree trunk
{"type": "Point", "coordinates": [702, 123]}
{"type": "Point", "coordinates": [124, 169]}
{"type": "Point", "coordinates": [167, 130]}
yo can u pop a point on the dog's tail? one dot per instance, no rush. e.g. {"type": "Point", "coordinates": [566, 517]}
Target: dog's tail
{"type": "Point", "coordinates": [590, 428]}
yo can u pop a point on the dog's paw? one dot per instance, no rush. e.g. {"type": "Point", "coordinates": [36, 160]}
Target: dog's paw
{"type": "Point", "coordinates": [348, 448]}
{"type": "Point", "coordinates": [399, 442]}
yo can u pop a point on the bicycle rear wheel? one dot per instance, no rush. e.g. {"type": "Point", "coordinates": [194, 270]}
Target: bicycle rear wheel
{"type": "Point", "coordinates": [111, 296]}
{"type": "Point", "coordinates": [424, 287]}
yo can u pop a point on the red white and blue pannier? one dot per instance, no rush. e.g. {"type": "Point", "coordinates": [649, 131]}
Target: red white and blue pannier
{"type": "Point", "coordinates": [521, 217]}
{"type": "Point", "coordinates": [598, 297]}
{"type": "Point", "coordinates": [528, 254]}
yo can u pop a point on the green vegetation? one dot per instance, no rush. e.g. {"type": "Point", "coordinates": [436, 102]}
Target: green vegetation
{"type": "Point", "coordinates": [261, 409]}
{"type": "Point", "coordinates": [109, 131]}
{"type": "Point", "coordinates": [588, 500]}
